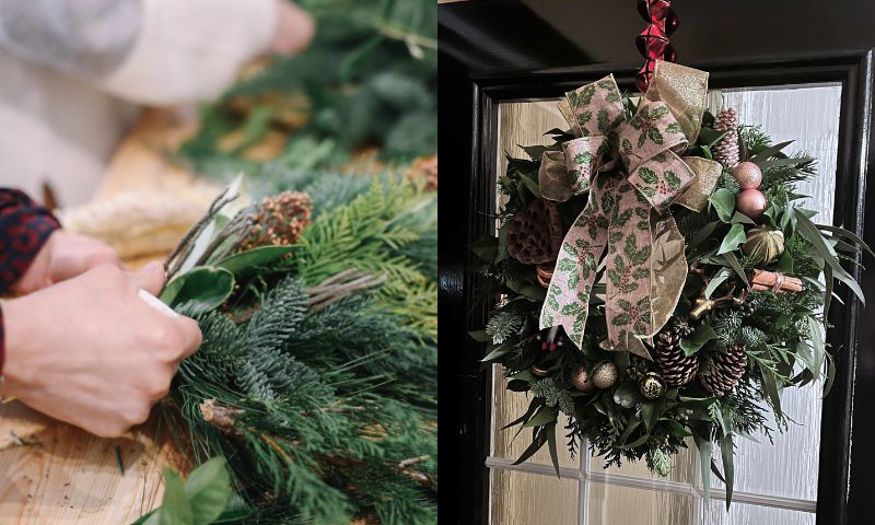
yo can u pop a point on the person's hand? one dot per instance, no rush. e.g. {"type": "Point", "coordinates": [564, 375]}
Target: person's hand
{"type": "Point", "coordinates": [294, 29]}
{"type": "Point", "coordinates": [63, 256]}
{"type": "Point", "coordinates": [91, 352]}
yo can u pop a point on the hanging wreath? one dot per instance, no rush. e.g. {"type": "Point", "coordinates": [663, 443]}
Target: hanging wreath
{"type": "Point", "coordinates": [689, 288]}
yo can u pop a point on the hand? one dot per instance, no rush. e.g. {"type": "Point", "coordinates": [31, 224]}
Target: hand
{"type": "Point", "coordinates": [294, 29]}
{"type": "Point", "coordinates": [64, 255]}
{"type": "Point", "coordinates": [91, 352]}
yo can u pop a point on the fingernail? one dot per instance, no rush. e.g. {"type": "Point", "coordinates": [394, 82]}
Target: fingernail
{"type": "Point", "coordinates": [154, 266]}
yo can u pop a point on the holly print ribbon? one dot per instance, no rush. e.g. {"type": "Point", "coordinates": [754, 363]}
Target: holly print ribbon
{"type": "Point", "coordinates": [625, 224]}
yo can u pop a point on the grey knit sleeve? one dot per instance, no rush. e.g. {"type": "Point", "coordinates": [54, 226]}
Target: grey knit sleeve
{"type": "Point", "coordinates": [84, 37]}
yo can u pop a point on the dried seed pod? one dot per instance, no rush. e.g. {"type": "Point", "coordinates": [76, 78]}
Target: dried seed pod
{"type": "Point", "coordinates": [534, 235]}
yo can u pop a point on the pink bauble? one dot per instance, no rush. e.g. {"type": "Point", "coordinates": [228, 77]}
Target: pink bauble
{"type": "Point", "coordinates": [748, 175]}
{"type": "Point", "coordinates": [751, 202]}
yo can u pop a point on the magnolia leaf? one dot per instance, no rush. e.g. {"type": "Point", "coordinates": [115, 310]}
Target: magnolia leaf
{"type": "Point", "coordinates": [204, 287]}
{"type": "Point", "coordinates": [723, 202]}
{"type": "Point", "coordinates": [244, 262]}
{"type": "Point", "coordinates": [733, 239]}
{"type": "Point", "coordinates": [710, 136]}
{"type": "Point", "coordinates": [175, 508]}
{"type": "Point", "coordinates": [208, 489]}
{"type": "Point", "coordinates": [697, 340]}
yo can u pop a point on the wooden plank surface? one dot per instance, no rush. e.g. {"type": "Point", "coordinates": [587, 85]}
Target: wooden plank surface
{"type": "Point", "coordinates": [53, 473]}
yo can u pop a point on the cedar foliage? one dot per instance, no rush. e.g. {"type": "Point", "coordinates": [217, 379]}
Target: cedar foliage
{"type": "Point", "coordinates": [334, 411]}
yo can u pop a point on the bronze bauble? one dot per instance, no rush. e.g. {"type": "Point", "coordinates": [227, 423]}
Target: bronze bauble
{"type": "Point", "coordinates": [580, 380]}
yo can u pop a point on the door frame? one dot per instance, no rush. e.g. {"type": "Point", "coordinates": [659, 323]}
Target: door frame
{"type": "Point", "coordinates": [477, 72]}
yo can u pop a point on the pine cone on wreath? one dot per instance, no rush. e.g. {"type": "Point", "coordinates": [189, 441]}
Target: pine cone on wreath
{"type": "Point", "coordinates": [724, 370]}
{"type": "Point", "coordinates": [677, 368]}
{"type": "Point", "coordinates": [726, 151]}
{"type": "Point", "coordinates": [534, 235]}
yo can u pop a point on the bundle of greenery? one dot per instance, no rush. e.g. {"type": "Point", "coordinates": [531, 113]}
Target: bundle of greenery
{"type": "Point", "coordinates": [316, 379]}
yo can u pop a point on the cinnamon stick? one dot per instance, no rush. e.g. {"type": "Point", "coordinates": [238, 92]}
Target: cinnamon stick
{"type": "Point", "coordinates": [763, 280]}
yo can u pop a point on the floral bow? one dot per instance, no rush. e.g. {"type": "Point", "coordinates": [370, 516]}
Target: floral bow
{"type": "Point", "coordinates": [626, 224]}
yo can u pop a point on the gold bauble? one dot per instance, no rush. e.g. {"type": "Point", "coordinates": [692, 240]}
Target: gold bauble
{"type": "Point", "coordinates": [604, 375]}
{"type": "Point", "coordinates": [580, 380]}
{"type": "Point", "coordinates": [764, 245]}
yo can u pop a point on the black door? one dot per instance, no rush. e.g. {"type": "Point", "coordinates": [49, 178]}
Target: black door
{"type": "Point", "coordinates": [501, 62]}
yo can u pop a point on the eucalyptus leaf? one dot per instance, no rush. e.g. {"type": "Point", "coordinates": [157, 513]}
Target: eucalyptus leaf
{"type": "Point", "coordinates": [733, 239]}
{"type": "Point", "coordinates": [850, 236]}
{"type": "Point", "coordinates": [718, 279]}
{"type": "Point", "coordinates": [769, 152]}
{"type": "Point", "coordinates": [727, 450]}
{"type": "Point", "coordinates": [550, 430]}
{"type": "Point", "coordinates": [204, 288]}
{"type": "Point", "coordinates": [740, 218]}
{"type": "Point", "coordinates": [208, 489]}
{"type": "Point", "coordinates": [544, 416]}
{"type": "Point", "coordinates": [733, 263]}
{"type": "Point", "coordinates": [818, 346]}
{"type": "Point", "coordinates": [809, 231]}
{"type": "Point", "coordinates": [723, 201]}
{"type": "Point", "coordinates": [704, 447]}
{"type": "Point", "coordinates": [175, 508]}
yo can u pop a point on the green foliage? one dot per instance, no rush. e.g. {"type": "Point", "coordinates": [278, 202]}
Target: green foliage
{"type": "Point", "coordinates": [206, 497]}
{"type": "Point", "coordinates": [369, 78]}
{"type": "Point", "coordinates": [388, 230]}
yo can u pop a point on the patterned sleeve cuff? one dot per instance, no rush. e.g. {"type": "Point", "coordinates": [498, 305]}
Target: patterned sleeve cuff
{"type": "Point", "coordinates": [2, 343]}
{"type": "Point", "coordinates": [24, 228]}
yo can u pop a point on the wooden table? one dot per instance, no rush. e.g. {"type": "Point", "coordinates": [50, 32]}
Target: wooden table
{"type": "Point", "coordinates": [53, 473]}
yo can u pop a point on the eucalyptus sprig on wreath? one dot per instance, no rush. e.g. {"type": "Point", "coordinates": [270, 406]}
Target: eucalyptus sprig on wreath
{"type": "Point", "coordinates": [748, 323]}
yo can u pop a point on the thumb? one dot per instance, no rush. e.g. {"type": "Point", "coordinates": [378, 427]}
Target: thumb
{"type": "Point", "coordinates": [150, 278]}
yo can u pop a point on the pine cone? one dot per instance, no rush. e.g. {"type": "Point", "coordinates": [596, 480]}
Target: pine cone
{"type": "Point", "coordinates": [723, 370]}
{"type": "Point", "coordinates": [534, 235]}
{"type": "Point", "coordinates": [279, 220]}
{"type": "Point", "coordinates": [677, 368]}
{"type": "Point", "coordinates": [726, 151]}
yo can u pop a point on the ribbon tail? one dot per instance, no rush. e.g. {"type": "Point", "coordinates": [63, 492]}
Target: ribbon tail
{"type": "Point", "coordinates": [567, 302]}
